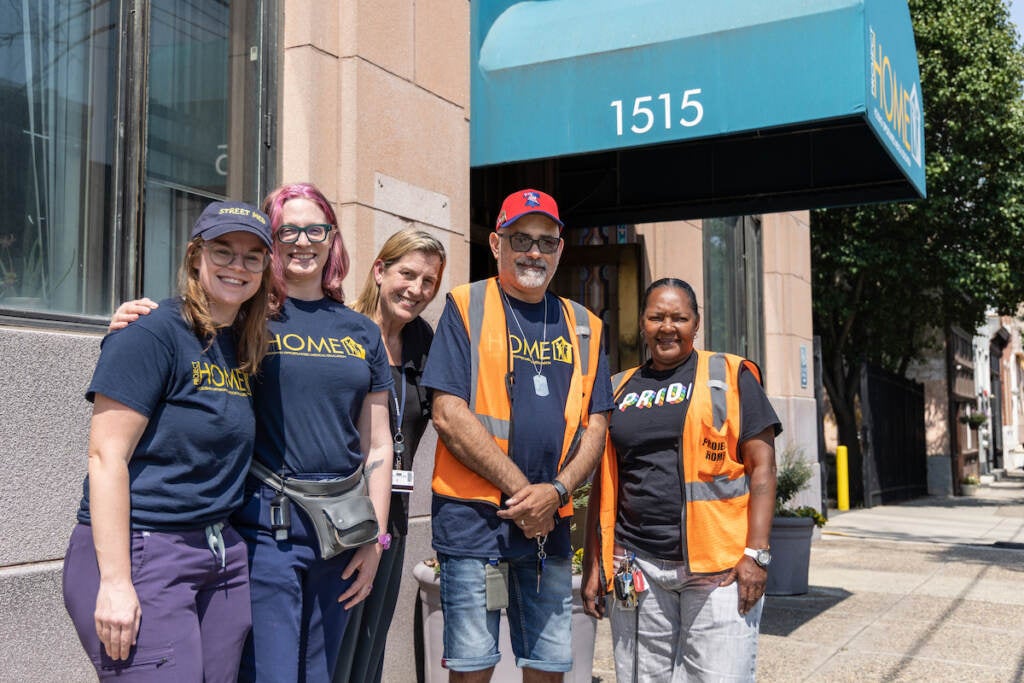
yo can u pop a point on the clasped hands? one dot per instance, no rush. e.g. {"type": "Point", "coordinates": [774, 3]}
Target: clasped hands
{"type": "Point", "coordinates": [532, 508]}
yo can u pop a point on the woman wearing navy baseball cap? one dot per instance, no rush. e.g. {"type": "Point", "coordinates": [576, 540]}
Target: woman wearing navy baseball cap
{"type": "Point", "coordinates": [155, 578]}
{"type": "Point", "coordinates": [321, 403]}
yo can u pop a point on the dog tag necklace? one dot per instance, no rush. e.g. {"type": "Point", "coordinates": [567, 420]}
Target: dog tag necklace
{"type": "Point", "coordinates": [540, 382]}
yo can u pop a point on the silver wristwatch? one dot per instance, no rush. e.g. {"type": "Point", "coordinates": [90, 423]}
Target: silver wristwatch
{"type": "Point", "coordinates": [762, 556]}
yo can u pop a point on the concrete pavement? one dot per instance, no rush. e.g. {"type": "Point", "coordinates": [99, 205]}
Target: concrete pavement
{"type": "Point", "coordinates": [927, 590]}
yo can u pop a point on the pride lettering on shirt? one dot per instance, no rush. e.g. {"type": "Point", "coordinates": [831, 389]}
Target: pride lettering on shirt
{"type": "Point", "coordinates": [672, 394]}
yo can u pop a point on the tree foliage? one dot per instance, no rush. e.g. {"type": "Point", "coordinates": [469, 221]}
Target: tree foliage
{"type": "Point", "coordinates": [886, 277]}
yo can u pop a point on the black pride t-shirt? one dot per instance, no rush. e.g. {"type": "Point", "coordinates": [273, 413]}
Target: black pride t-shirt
{"type": "Point", "coordinates": [646, 428]}
{"type": "Point", "coordinates": [188, 469]}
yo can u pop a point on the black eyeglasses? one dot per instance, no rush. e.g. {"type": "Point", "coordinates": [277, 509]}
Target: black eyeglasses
{"type": "Point", "coordinates": [221, 255]}
{"type": "Point", "coordinates": [315, 232]}
{"type": "Point", "coordinates": [521, 242]}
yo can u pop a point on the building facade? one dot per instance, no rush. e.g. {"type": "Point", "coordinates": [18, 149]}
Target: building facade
{"type": "Point", "coordinates": [121, 120]}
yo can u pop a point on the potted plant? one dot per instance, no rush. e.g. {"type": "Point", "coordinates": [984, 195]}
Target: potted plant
{"type": "Point", "coordinates": [792, 527]}
{"type": "Point", "coordinates": [974, 420]}
{"type": "Point", "coordinates": [969, 485]}
{"type": "Point", "coordinates": [430, 622]}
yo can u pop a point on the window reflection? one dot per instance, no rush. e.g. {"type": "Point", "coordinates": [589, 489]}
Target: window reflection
{"type": "Point", "coordinates": [57, 76]}
{"type": "Point", "coordinates": [71, 241]}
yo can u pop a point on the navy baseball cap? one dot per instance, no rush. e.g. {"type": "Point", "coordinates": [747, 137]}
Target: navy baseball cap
{"type": "Point", "coordinates": [220, 218]}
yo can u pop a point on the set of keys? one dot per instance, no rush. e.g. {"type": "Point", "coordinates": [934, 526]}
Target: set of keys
{"type": "Point", "coordinates": [629, 582]}
{"type": "Point", "coordinates": [541, 556]}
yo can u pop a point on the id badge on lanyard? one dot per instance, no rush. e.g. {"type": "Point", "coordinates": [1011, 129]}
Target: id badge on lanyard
{"type": "Point", "coordinates": [401, 480]}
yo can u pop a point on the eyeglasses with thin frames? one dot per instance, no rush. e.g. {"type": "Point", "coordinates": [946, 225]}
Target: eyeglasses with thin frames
{"type": "Point", "coordinates": [521, 242]}
{"type": "Point", "coordinates": [221, 255]}
{"type": "Point", "coordinates": [315, 232]}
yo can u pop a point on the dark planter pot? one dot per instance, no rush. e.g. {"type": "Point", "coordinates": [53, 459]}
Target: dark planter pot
{"type": "Point", "coordinates": [584, 632]}
{"type": "Point", "coordinates": [791, 555]}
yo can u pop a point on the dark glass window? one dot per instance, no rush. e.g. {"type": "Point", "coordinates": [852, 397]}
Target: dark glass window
{"type": "Point", "coordinates": [96, 94]}
{"type": "Point", "coordinates": [58, 66]}
{"type": "Point", "coordinates": [733, 301]}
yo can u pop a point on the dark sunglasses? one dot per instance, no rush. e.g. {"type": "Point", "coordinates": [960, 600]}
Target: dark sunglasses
{"type": "Point", "coordinates": [521, 242]}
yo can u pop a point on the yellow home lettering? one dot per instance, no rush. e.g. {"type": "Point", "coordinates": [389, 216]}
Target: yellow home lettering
{"type": "Point", "coordinates": [300, 345]}
{"type": "Point", "coordinates": [541, 352]}
{"type": "Point", "coordinates": [208, 376]}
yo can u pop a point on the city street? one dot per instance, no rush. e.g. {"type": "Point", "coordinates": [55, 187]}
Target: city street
{"type": "Point", "coordinates": [932, 589]}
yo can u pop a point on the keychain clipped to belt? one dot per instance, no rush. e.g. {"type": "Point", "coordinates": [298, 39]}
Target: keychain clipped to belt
{"type": "Point", "coordinates": [629, 581]}
{"type": "Point", "coordinates": [281, 515]}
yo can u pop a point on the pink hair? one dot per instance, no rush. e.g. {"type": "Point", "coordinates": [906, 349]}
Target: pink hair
{"type": "Point", "coordinates": [337, 259]}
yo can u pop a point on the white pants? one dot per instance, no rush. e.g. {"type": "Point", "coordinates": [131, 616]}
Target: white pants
{"type": "Point", "coordinates": [685, 628]}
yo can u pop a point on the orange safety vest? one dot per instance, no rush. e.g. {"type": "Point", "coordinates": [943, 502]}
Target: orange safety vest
{"type": "Point", "coordinates": [715, 488]}
{"type": "Point", "coordinates": [480, 305]}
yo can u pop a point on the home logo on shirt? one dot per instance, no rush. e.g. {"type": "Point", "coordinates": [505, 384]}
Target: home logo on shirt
{"type": "Point", "coordinates": [208, 376]}
{"type": "Point", "coordinates": [292, 344]}
{"type": "Point", "coordinates": [541, 352]}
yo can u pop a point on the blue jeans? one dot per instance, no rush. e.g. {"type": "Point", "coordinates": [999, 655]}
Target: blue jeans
{"type": "Point", "coordinates": [540, 623]}
{"type": "Point", "coordinates": [686, 627]}
{"type": "Point", "coordinates": [297, 621]}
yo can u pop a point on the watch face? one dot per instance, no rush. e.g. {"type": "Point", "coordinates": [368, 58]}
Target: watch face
{"type": "Point", "coordinates": [763, 558]}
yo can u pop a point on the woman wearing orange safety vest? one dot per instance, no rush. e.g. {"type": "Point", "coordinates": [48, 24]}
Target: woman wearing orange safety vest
{"type": "Point", "coordinates": [681, 509]}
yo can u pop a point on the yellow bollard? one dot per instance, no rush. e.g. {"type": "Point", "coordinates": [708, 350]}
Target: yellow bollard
{"type": "Point", "coordinates": [842, 478]}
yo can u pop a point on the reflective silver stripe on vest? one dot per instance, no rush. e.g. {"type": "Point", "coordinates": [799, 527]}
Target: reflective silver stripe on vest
{"type": "Point", "coordinates": [716, 373]}
{"type": "Point", "coordinates": [496, 427]}
{"type": "Point", "coordinates": [722, 488]}
{"type": "Point", "coordinates": [477, 297]}
{"type": "Point", "coordinates": [616, 381]}
{"type": "Point", "coordinates": [583, 334]}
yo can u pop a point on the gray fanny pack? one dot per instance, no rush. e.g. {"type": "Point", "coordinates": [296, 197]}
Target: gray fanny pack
{"type": "Point", "coordinates": [340, 510]}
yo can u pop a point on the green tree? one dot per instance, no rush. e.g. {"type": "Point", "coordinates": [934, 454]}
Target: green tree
{"type": "Point", "coordinates": [889, 279]}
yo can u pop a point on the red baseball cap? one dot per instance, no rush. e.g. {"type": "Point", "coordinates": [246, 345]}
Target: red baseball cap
{"type": "Point", "coordinates": [523, 202]}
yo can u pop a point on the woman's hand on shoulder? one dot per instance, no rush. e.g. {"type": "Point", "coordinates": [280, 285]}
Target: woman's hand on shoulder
{"type": "Point", "coordinates": [129, 312]}
{"type": "Point", "coordinates": [117, 617]}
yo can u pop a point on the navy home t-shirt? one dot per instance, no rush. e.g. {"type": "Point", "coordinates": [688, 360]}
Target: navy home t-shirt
{"type": "Point", "coordinates": [323, 359]}
{"type": "Point", "coordinates": [189, 466]}
{"type": "Point", "coordinates": [646, 428]}
{"type": "Point", "coordinates": [473, 529]}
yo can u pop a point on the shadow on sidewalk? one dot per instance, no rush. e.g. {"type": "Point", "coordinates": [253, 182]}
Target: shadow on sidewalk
{"type": "Point", "coordinates": [1005, 556]}
{"type": "Point", "coordinates": [783, 614]}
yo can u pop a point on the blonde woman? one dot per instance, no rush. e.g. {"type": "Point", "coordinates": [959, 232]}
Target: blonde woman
{"type": "Point", "coordinates": [403, 280]}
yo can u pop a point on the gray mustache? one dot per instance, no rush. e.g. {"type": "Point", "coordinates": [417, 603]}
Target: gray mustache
{"type": "Point", "coordinates": [532, 263]}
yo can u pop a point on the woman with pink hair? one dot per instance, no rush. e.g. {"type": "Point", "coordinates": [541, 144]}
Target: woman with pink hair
{"type": "Point", "coordinates": [321, 403]}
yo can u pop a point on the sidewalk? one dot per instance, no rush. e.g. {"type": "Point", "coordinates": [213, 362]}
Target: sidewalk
{"type": "Point", "coordinates": [927, 590]}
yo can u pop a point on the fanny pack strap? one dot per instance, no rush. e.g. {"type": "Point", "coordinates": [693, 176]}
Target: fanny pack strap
{"type": "Point", "coordinates": [333, 487]}
{"type": "Point", "coordinates": [264, 474]}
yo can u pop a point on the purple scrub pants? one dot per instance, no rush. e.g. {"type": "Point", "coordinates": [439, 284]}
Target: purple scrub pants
{"type": "Point", "coordinates": [195, 614]}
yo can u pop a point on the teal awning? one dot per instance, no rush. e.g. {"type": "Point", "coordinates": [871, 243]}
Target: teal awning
{"type": "Point", "coordinates": [657, 109]}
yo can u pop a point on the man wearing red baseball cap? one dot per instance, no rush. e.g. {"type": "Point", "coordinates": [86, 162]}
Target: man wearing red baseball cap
{"type": "Point", "coordinates": [521, 401]}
